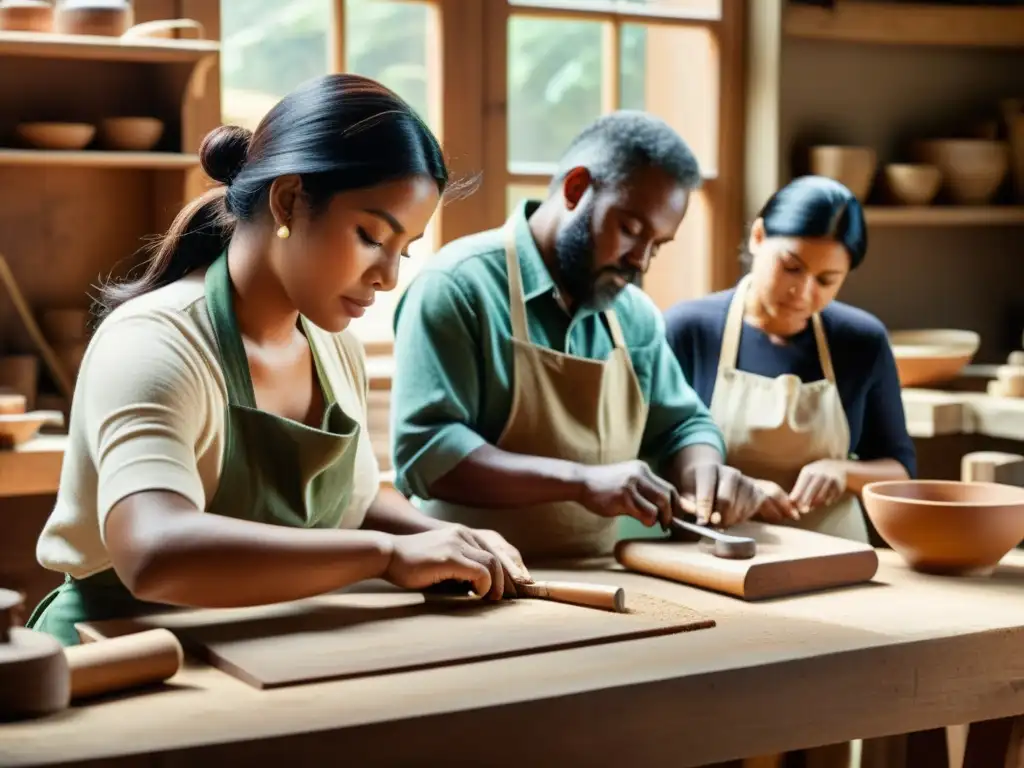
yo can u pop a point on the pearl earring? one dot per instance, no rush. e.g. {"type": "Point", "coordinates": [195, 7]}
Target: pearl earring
{"type": "Point", "coordinates": [284, 233]}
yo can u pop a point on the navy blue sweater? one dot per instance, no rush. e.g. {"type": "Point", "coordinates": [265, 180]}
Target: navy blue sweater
{"type": "Point", "coordinates": [861, 356]}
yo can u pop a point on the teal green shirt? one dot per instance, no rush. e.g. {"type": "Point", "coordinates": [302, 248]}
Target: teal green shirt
{"type": "Point", "coordinates": [451, 391]}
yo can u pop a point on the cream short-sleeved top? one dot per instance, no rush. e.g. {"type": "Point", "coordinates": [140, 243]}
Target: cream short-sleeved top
{"type": "Point", "coordinates": [148, 414]}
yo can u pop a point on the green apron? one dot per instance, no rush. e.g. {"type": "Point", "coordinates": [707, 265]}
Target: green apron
{"type": "Point", "coordinates": [274, 470]}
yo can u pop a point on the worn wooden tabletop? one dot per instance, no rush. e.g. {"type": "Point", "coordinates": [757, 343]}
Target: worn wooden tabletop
{"type": "Point", "coordinates": [905, 653]}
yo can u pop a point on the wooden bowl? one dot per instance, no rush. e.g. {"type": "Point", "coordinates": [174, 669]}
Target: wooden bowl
{"type": "Point", "coordinates": [912, 184]}
{"type": "Point", "coordinates": [853, 167]}
{"type": "Point", "coordinates": [972, 169]}
{"type": "Point", "coordinates": [69, 136]}
{"type": "Point", "coordinates": [945, 526]}
{"type": "Point", "coordinates": [133, 134]}
{"type": "Point", "coordinates": [26, 16]}
{"type": "Point", "coordinates": [19, 428]}
{"type": "Point", "coordinates": [932, 356]}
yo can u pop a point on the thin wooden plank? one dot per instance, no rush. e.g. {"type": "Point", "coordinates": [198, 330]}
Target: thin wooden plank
{"type": "Point", "coordinates": [907, 24]}
{"type": "Point", "coordinates": [98, 159]}
{"type": "Point", "coordinates": [944, 216]}
{"type": "Point", "coordinates": [358, 634]}
{"type": "Point", "coordinates": [98, 48]}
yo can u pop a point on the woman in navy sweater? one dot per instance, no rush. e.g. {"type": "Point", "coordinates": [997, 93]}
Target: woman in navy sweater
{"type": "Point", "coordinates": [803, 387]}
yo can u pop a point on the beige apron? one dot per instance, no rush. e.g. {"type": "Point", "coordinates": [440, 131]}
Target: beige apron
{"type": "Point", "coordinates": [775, 427]}
{"type": "Point", "coordinates": [563, 407]}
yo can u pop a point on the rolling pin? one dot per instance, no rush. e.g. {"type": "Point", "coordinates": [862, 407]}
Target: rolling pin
{"type": "Point", "coordinates": [585, 595]}
{"type": "Point", "coordinates": [122, 663]}
{"type": "Point", "coordinates": [588, 595]}
{"type": "Point", "coordinates": [38, 677]}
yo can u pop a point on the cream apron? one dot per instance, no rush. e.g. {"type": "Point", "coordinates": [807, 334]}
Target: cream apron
{"type": "Point", "coordinates": [563, 407]}
{"type": "Point", "coordinates": [775, 427]}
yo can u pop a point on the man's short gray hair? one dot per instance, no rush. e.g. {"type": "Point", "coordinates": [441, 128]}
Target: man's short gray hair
{"type": "Point", "coordinates": [617, 144]}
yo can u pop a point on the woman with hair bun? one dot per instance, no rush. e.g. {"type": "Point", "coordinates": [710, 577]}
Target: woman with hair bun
{"type": "Point", "coordinates": [218, 453]}
{"type": "Point", "coordinates": [803, 387]}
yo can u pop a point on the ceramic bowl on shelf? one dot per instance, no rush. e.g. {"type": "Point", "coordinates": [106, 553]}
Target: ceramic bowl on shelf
{"type": "Point", "coordinates": [913, 183]}
{"type": "Point", "coordinates": [853, 167]}
{"type": "Point", "coordinates": [133, 134]}
{"type": "Point", "coordinates": [69, 136]}
{"type": "Point", "coordinates": [972, 169]}
{"type": "Point", "coordinates": [932, 356]}
{"type": "Point", "coordinates": [945, 526]}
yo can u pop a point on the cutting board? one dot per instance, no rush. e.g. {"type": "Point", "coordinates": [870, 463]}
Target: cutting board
{"type": "Point", "coordinates": [788, 561]}
{"type": "Point", "coordinates": [356, 634]}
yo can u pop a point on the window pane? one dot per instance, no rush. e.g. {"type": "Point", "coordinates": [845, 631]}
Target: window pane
{"type": "Point", "coordinates": [554, 85]}
{"type": "Point", "coordinates": [391, 42]}
{"type": "Point", "coordinates": [516, 193]}
{"type": "Point", "coordinates": [268, 48]}
{"type": "Point", "coordinates": [672, 72]}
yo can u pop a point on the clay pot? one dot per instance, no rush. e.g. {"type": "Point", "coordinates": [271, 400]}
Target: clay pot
{"type": "Point", "coordinates": [933, 356]}
{"type": "Point", "coordinates": [912, 184]}
{"type": "Point", "coordinates": [133, 134]}
{"type": "Point", "coordinates": [947, 527]}
{"type": "Point", "coordinates": [972, 169]}
{"type": "Point", "coordinates": [853, 167]}
{"type": "Point", "coordinates": [26, 16]}
{"type": "Point", "coordinates": [68, 136]}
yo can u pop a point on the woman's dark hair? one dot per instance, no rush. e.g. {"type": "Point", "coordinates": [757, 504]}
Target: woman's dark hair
{"type": "Point", "coordinates": [815, 206]}
{"type": "Point", "coordinates": [338, 132]}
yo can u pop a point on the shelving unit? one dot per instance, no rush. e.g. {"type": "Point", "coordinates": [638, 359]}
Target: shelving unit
{"type": "Point", "coordinates": [889, 23]}
{"type": "Point", "coordinates": [69, 219]}
{"type": "Point", "coordinates": [884, 74]}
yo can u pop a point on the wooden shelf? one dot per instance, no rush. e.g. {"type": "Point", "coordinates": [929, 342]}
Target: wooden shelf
{"type": "Point", "coordinates": [96, 48]}
{"type": "Point", "coordinates": [907, 24]}
{"type": "Point", "coordinates": [944, 216]}
{"type": "Point", "coordinates": [98, 159]}
{"type": "Point", "coordinates": [32, 468]}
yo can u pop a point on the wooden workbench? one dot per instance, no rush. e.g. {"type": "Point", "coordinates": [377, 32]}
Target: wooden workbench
{"type": "Point", "coordinates": [907, 653]}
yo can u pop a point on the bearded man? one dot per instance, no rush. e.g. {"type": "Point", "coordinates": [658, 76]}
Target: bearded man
{"type": "Point", "coordinates": [534, 391]}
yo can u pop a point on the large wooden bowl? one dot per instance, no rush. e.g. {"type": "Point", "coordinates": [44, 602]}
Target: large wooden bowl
{"type": "Point", "coordinates": [853, 167]}
{"type": "Point", "coordinates": [945, 526]}
{"type": "Point", "coordinates": [972, 169]}
{"type": "Point", "coordinates": [134, 134]}
{"type": "Point", "coordinates": [927, 357]}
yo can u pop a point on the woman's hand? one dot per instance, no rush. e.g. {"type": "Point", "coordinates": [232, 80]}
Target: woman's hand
{"type": "Point", "coordinates": [515, 570]}
{"type": "Point", "coordinates": [454, 553]}
{"type": "Point", "coordinates": [819, 484]}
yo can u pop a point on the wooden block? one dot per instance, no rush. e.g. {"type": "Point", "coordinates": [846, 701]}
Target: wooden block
{"type": "Point", "coordinates": [992, 467]}
{"type": "Point", "coordinates": [931, 412]}
{"type": "Point", "coordinates": [788, 561]}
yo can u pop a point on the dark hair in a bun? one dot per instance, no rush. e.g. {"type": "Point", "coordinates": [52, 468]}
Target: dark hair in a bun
{"type": "Point", "coordinates": [338, 132]}
{"type": "Point", "coordinates": [224, 152]}
{"type": "Point", "coordinates": [816, 206]}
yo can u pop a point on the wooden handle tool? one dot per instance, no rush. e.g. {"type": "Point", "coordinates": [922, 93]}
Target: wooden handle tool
{"type": "Point", "coordinates": [121, 663]}
{"type": "Point", "coordinates": [724, 545]}
{"type": "Point", "coordinates": [589, 595]}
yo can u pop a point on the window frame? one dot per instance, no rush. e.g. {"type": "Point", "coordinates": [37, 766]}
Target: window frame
{"type": "Point", "coordinates": [468, 63]}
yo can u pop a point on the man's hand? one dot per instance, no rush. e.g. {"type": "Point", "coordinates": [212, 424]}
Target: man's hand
{"type": "Point", "coordinates": [720, 495]}
{"type": "Point", "coordinates": [628, 488]}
